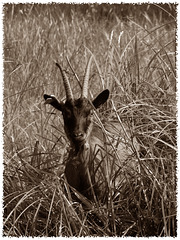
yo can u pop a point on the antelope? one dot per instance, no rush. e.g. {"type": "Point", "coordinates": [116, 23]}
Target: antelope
{"type": "Point", "coordinates": [82, 167]}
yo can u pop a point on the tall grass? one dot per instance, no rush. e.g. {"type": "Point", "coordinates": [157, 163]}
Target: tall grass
{"type": "Point", "coordinates": [134, 51]}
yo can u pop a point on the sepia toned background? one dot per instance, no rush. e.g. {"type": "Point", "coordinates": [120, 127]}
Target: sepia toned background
{"type": "Point", "coordinates": [134, 47]}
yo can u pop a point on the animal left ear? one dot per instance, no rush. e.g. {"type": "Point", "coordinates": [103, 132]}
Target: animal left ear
{"type": "Point", "coordinates": [101, 98]}
{"type": "Point", "coordinates": [50, 99]}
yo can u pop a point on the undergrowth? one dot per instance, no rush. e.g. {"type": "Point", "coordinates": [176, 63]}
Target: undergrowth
{"type": "Point", "coordinates": [134, 57]}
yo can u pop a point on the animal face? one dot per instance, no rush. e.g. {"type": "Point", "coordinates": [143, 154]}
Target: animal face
{"type": "Point", "coordinates": [78, 115]}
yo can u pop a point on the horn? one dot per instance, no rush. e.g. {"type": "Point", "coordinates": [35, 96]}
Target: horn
{"type": "Point", "coordinates": [69, 95]}
{"type": "Point", "coordinates": [86, 79]}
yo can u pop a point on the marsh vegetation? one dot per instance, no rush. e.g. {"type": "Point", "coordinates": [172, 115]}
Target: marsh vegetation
{"type": "Point", "coordinates": [134, 47]}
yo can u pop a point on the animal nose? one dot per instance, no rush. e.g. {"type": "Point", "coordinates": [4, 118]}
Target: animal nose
{"type": "Point", "coordinates": [78, 134]}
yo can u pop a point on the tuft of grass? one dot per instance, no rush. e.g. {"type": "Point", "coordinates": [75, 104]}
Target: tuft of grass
{"type": "Point", "coordinates": [133, 48]}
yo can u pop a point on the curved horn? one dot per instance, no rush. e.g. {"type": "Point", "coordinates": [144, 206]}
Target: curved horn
{"type": "Point", "coordinates": [67, 86]}
{"type": "Point", "coordinates": [86, 79]}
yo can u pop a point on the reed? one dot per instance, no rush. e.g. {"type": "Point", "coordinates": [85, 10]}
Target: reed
{"type": "Point", "coordinates": [134, 56]}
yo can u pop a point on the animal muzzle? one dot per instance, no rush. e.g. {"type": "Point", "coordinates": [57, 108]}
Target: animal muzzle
{"type": "Point", "coordinates": [79, 136]}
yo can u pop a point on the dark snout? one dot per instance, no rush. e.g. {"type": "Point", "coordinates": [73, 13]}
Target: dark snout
{"type": "Point", "coordinates": [79, 136]}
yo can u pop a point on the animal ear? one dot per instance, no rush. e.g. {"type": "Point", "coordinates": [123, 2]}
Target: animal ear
{"type": "Point", "coordinates": [101, 98]}
{"type": "Point", "coordinates": [50, 99]}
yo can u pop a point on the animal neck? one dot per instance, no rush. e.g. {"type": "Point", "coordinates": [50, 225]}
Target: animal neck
{"type": "Point", "coordinates": [80, 147]}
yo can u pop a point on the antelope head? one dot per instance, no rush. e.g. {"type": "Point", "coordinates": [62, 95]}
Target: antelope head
{"type": "Point", "coordinates": [77, 113]}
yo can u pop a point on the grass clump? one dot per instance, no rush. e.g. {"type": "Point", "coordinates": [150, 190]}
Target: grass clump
{"type": "Point", "coordinates": [134, 50]}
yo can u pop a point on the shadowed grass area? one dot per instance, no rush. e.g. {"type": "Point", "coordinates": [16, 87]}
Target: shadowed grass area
{"type": "Point", "coordinates": [134, 50]}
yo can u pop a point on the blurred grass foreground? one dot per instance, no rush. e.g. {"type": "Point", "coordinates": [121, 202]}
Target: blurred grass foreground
{"type": "Point", "coordinates": [134, 50]}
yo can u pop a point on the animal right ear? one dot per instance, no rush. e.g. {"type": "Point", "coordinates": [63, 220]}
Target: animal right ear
{"type": "Point", "coordinates": [50, 99]}
{"type": "Point", "coordinates": [101, 98]}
